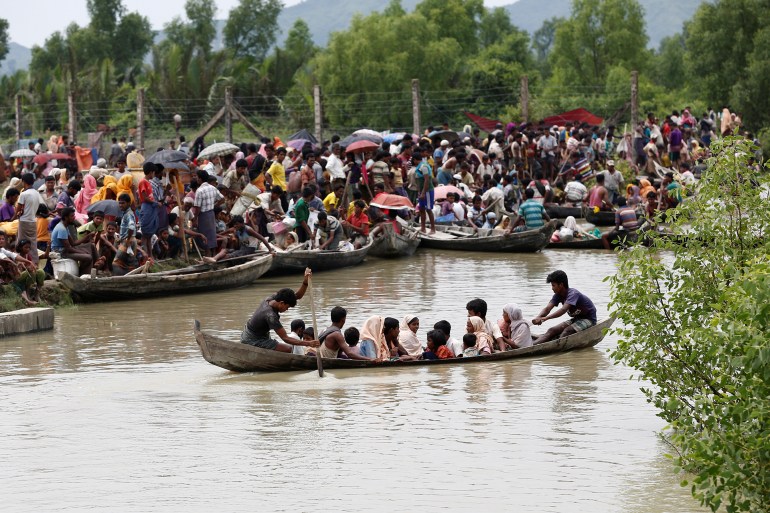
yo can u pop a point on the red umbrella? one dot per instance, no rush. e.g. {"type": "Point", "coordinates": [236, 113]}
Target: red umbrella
{"type": "Point", "coordinates": [394, 201]}
{"type": "Point", "coordinates": [442, 190]}
{"type": "Point", "coordinates": [362, 146]}
{"type": "Point", "coordinates": [43, 158]}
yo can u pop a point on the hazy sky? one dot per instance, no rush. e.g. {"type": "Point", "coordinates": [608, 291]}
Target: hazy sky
{"type": "Point", "coordinates": [30, 24]}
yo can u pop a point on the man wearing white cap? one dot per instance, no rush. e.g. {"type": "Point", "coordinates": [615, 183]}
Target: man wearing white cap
{"type": "Point", "coordinates": [440, 153]}
{"type": "Point", "coordinates": [613, 182]}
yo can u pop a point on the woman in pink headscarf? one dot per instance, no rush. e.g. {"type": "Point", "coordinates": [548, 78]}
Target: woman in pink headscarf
{"type": "Point", "coordinates": [83, 198]}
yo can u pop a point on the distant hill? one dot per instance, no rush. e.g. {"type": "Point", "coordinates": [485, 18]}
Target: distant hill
{"type": "Point", "coordinates": [662, 17]}
{"type": "Point", "coordinates": [18, 57]}
{"type": "Point", "coordinates": [326, 16]}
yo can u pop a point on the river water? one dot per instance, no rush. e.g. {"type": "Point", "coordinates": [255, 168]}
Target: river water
{"type": "Point", "coordinates": [115, 409]}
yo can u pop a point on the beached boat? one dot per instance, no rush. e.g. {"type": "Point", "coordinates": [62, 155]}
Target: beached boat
{"type": "Point", "coordinates": [465, 239]}
{"type": "Point", "coordinates": [601, 218]}
{"type": "Point", "coordinates": [238, 357]}
{"type": "Point", "coordinates": [393, 245]}
{"type": "Point", "coordinates": [194, 279]}
{"type": "Point", "coordinates": [563, 211]}
{"type": "Point", "coordinates": [297, 260]}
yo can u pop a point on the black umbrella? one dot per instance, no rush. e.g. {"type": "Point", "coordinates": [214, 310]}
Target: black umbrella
{"type": "Point", "coordinates": [109, 207]}
{"type": "Point", "coordinates": [166, 156]}
{"type": "Point", "coordinates": [303, 134]}
{"type": "Point", "coordinates": [440, 135]}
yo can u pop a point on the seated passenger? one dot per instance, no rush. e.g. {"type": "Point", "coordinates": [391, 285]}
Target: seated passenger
{"type": "Point", "coordinates": [469, 345]}
{"type": "Point", "coordinates": [514, 328]}
{"type": "Point", "coordinates": [484, 341]}
{"type": "Point", "coordinates": [407, 336]}
{"type": "Point", "coordinates": [332, 340]}
{"type": "Point", "coordinates": [437, 349]}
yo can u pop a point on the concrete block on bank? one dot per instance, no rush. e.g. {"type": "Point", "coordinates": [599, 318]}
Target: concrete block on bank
{"type": "Point", "coordinates": [26, 320]}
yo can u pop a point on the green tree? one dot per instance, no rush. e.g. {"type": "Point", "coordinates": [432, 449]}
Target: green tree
{"type": "Point", "coordinates": [3, 38]}
{"type": "Point", "coordinates": [598, 35]}
{"type": "Point", "coordinates": [196, 35]}
{"type": "Point", "coordinates": [494, 25]}
{"type": "Point", "coordinates": [542, 43]}
{"type": "Point", "coordinates": [251, 26]}
{"type": "Point", "coordinates": [696, 326]}
{"type": "Point", "coordinates": [669, 62]}
{"type": "Point", "coordinates": [752, 94]}
{"type": "Point", "coordinates": [458, 19]}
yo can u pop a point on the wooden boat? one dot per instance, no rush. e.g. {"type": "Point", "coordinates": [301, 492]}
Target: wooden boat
{"type": "Point", "coordinates": [238, 357]}
{"type": "Point", "coordinates": [577, 244]}
{"type": "Point", "coordinates": [601, 218]}
{"type": "Point", "coordinates": [393, 245]}
{"type": "Point", "coordinates": [563, 211]}
{"type": "Point", "coordinates": [167, 283]}
{"type": "Point", "coordinates": [296, 261]}
{"type": "Point", "coordinates": [464, 239]}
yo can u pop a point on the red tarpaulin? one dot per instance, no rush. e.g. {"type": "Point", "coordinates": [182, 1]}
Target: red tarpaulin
{"type": "Point", "coordinates": [485, 124]}
{"type": "Point", "coordinates": [577, 116]}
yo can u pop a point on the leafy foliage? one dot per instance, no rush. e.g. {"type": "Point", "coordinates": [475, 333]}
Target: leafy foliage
{"type": "Point", "coordinates": [251, 27]}
{"type": "Point", "coordinates": [3, 38]}
{"type": "Point", "coordinates": [696, 325]}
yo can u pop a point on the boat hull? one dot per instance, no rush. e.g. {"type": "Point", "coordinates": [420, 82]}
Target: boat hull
{"type": "Point", "coordinates": [601, 218]}
{"type": "Point", "coordinates": [137, 286]}
{"type": "Point", "coordinates": [394, 245]}
{"type": "Point", "coordinates": [562, 212]}
{"type": "Point", "coordinates": [490, 240]}
{"type": "Point", "coordinates": [238, 357]}
{"type": "Point", "coordinates": [297, 261]}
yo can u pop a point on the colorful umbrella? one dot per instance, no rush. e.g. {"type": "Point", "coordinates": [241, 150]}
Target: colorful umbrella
{"type": "Point", "coordinates": [361, 146]}
{"type": "Point", "coordinates": [375, 136]}
{"type": "Point", "coordinates": [394, 201]}
{"type": "Point", "coordinates": [44, 158]}
{"type": "Point", "coordinates": [347, 141]}
{"type": "Point", "coordinates": [443, 190]}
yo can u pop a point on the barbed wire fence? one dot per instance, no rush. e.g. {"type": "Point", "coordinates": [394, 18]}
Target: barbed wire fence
{"type": "Point", "coordinates": [155, 122]}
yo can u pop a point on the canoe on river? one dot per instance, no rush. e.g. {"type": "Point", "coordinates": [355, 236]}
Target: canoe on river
{"type": "Point", "coordinates": [295, 261]}
{"type": "Point", "coordinates": [582, 243]}
{"type": "Point", "coordinates": [393, 245]}
{"type": "Point", "coordinates": [464, 239]}
{"type": "Point", "coordinates": [235, 356]}
{"type": "Point", "coordinates": [166, 283]}
{"type": "Point", "coordinates": [563, 211]}
{"type": "Point", "coordinates": [601, 218]}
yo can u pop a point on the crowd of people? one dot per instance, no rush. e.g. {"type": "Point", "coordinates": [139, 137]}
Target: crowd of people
{"type": "Point", "coordinates": [385, 338]}
{"type": "Point", "coordinates": [122, 212]}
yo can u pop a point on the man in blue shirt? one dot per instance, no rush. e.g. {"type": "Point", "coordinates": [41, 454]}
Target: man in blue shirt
{"type": "Point", "coordinates": [81, 251]}
{"type": "Point", "coordinates": [575, 304]}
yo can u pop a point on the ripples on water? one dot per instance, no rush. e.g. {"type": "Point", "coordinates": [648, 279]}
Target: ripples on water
{"type": "Point", "coordinates": [115, 409]}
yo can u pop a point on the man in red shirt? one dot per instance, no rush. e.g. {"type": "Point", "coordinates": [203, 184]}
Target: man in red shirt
{"type": "Point", "coordinates": [357, 225]}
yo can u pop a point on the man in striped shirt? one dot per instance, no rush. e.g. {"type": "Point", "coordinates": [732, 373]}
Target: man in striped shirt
{"type": "Point", "coordinates": [531, 212]}
{"type": "Point", "coordinates": [626, 224]}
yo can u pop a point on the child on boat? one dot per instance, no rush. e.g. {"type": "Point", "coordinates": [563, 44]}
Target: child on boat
{"type": "Point", "coordinates": [469, 345]}
{"type": "Point", "coordinates": [437, 349]}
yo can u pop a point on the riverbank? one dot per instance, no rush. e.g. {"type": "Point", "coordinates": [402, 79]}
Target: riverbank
{"type": "Point", "coordinates": [53, 294]}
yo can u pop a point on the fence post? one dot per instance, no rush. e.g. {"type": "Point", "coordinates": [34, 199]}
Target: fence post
{"type": "Point", "coordinates": [140, 119]}
{"type": "Point", "coordinates": [229, 114]}
{"type": "Point", "coordinates": [72, 119]}
{"type": "Point", "coordinates": [634, 99]}
{"type": "Point", "coordinates": [318, 113]}
{"type": "Point", "coordinates": [416, 121]}
{"type": "Point", "coordinates": [18, 117]}
{"type": "Point", "coordinates": [525, 98]}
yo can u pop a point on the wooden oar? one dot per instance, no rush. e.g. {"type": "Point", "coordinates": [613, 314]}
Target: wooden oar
{"type": "Point", "coordinates": [318, 361]}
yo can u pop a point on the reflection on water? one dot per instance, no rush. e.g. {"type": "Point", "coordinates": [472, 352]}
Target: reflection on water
{"type": "Point", "coordinates": [116, 409]}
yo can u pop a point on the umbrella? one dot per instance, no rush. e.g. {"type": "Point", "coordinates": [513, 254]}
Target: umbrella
{"type": "Point", "coordinates": [449, 135]}
{"type": "Point", "coordinates": [369, 133]}
{"type": "Point", "coordinates": [393, 201]}
{"type": "Point", "coordinates": [443, 190]}
{"type": "Point", "coordinates": [109, 207]}
{"type": "Point", "coordinates": [22, 154]}
{"type": "Point", "coordinates": [303, 134]}
{"type": "Point", "coordinates": [347, 141]}
{"type": "Point", "coordinates": [218, 150]}
{"type": "Point", "coordinates": [398, 137]}
{"type": "Point", "coordinates": [298, 144]}
{"type": "Point", "coordinates": [167, 156]}
{"type": "Point", "coordinates": [362, 146]}
{"type": "Point", "coordinates": [477, 153]}
{"type": "Point", "coordinates": [43, 158]}
{"type": "Point", "coordinates": [175, 165]}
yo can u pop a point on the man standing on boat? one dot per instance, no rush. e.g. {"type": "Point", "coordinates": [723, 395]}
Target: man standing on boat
{"type": "Point", "coordinates": [267, 317]}
{"type": "Point", "coordinates": [576, 305]}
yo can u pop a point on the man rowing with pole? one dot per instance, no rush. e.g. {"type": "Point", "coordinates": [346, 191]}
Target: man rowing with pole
{"type": "Point", "coordinates": [267, 317]}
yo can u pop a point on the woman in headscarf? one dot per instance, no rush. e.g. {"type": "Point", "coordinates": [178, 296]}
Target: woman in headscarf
{"type": "Point", "coordinates": [238, 156]}
{"type": "Point", "coordinates": [484, 341]}
{"type": "Point", "coordinates": [645, 187]}
{"type": "Point", "coordinates": [514, 328]}
{"type": "Point", "coordinates": [373, 344]}
{"type": "Point", "coordinates": [107, 191]}
{"type": "Point", "coordinates": [407, 337]}
{"type": "Point", "coordinates": [86, 194]}
{"type": "Point", "coordinates": [126, 185]}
